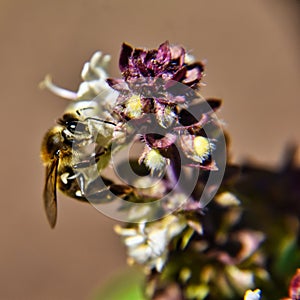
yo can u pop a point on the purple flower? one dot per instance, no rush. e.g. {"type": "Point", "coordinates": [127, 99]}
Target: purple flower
{"type": "Point", "coordinates": [166, 62]}
{"type": "Point", "coordinates": [157, 80]}
{"type": "Point", "coordinates": [158, 94]}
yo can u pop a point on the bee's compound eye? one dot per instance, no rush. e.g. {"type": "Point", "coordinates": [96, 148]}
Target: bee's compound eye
{"type": "Point", "coordinates": [72, 126]}
{"type": "Point", "coordinates": [72, 123]}
{"type": "Point", "coordinates": [76, 126]}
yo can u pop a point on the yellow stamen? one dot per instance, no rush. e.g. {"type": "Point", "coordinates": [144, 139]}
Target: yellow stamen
{"type": "Point", "coordinates": [154, 160]}
{"type": "Point", "coordinates": [202, 146]}
{"type": "Point", "coordinates": [134, 106]}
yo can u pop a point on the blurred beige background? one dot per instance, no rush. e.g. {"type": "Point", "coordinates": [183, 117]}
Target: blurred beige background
{"type": "Point", "coordinates": [252, 52]}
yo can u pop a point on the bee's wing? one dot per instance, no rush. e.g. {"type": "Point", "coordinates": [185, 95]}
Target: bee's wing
{"type": "Point", "coordinates": [50, 201]}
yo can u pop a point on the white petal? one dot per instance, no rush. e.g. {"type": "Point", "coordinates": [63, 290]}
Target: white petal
{"type": "Point", "coordinates": [125, 231]}
{"type": "Point", "coordinates": [227, 199]}
{"type": "Point", "coordinates": [140, 254]}
{"type": "Point", "coordinates": [157, 240]}
{"type": "Point", "coordinates": [133, 241]}
{"type": "Point", "coordinates": [252, 295]}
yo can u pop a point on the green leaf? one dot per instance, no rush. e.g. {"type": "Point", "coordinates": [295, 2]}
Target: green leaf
{"type": "Point", "coordinates": [125, 286]}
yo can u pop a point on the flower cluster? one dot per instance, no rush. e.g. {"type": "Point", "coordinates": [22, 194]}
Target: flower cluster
{"type": "Point", "coordinates": [148, 243]}
{"type": "Point", "coordinates": [187, 248]}
{"type": "Point", "coordinates": [166, 75]}
{"type": "Point", "coordinates": [217, 257]}
{"type": "Point", "coordinates": [158, 94]}
{"type": "Point", "coordinates": [294, 289]}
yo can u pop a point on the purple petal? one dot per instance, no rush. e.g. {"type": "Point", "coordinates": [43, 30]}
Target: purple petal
{"type": "Point", "coordinates": [149, 59]}
{"type": "Point", "coordinates": [194, 73]}
{"type": "Point", "coordinates": [177, 53]}
{"type": "Point", "coordinates": [180, 74]}
{"type": "Point", "coordinates": [138, 62]}
{"type": "Point", "coordinates": [163, 54]}
{"type": "Point", "coordinates": [159, 142]}
{"type": "Point", "coordinates": [124, 57]}
{"type": "Point", "coordinates": [117, 84]}
{"type": "Point", "coordinates": [211, 166]}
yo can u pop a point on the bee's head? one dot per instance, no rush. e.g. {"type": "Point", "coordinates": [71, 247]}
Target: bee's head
{"type": "Point", "coordinates": [71, 122]}
{"type": "Point", "coordinates": [53, 143]}
{"type": "Point", "coordinates": [74, 129]}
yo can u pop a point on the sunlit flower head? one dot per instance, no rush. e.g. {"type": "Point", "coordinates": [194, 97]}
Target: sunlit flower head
{"type": "Point", "coordinates": [252, 295]}
{"type": "Point", "coordinates": [147, 243]}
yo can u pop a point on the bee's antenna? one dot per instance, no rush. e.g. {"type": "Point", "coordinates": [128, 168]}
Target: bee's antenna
{"type": "Point", "coordinates": [99, 120]}
{"type": "Point", "coordinates": [83, 108]}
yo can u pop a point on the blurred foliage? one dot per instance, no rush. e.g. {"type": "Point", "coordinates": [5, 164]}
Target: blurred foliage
{"type": "Point", "coordinates": [124, 286]}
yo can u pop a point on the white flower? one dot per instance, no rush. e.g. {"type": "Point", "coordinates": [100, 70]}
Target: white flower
{"type": "Point", "coordinates": [252, 295]}
{"type": "Point", "coordinates": [147, 243]}
{"type": "Point", "coordinates": [93, 74]}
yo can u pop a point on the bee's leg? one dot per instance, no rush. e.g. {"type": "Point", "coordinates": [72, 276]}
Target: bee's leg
{"type": "Point", "coordinates": [81, 183]}
{"type": "Point", "coordinates": [91, 160]}
{"type": "Point", "coordinates": [103, 190]}
{"type": "Point", "coordinates": [88, 162]}
{"type": "Point", "coordinates": [72, 184]}
{"type": "Point", "coordinates": [99, 152]}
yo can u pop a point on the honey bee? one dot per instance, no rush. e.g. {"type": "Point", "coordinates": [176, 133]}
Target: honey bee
{"type": "Point", "coordinates": [68, 164]}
